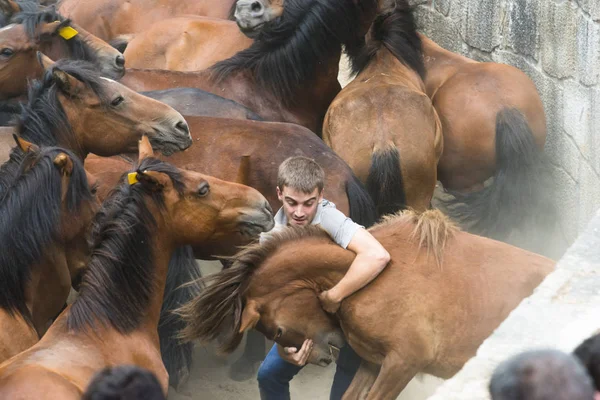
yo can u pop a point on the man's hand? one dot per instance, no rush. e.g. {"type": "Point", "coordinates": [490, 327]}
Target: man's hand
{"type": "Point", "coordinates": [329, 302]}
{"type": "Point", "coordinates": [295, 356]}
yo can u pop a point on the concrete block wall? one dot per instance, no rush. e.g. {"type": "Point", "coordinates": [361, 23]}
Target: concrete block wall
{"type": "Point", "coordinates": [557, 43]}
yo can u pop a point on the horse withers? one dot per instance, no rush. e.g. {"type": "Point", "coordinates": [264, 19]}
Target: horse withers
{"type": "Point", "coordinates": [441, 295]}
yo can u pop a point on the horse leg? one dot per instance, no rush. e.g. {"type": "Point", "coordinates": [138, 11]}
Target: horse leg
{"type": "Point", "coordinates": [363, 380]}
{"type": "Point", "coordinates": [395, 373]}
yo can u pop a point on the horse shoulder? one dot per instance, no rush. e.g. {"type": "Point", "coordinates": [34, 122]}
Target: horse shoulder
{"type": "Point", "coordinates": [49, 385]}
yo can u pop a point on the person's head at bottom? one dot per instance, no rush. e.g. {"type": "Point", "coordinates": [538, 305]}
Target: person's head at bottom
{"type": "Point", "coordinates": [541, 375]}
{"type": "Point", "coordinates": [124, 382]}
{"type": "Point", "coordinates": [300, 182]}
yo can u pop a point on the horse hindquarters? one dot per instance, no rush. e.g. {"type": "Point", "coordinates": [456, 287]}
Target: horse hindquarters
{"type": "Point", "coordinates": [516, 195]}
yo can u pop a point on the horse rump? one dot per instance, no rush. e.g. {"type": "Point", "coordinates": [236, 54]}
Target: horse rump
{"type": "Point", "coordinates": [518, 196]}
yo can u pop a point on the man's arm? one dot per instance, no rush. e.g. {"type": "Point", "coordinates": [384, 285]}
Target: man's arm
{"type": "Point", "coordinates": [371, 259]}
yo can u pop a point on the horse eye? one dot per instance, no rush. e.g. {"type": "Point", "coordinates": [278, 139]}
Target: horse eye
{"type": "Point", "coordinates": [6, 52]}
{"type": "Point", "coordinates": [204, 189]}
{"type": "Point", "coordinates": [94, 189]}
{"type": "Point", "coordinates": [279, 333]}
{"type": "Point", "coordinates": [118, 100]}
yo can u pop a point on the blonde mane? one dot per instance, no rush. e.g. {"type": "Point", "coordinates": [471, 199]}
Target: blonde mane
{"type": "Point", "coordinates": [432, 229]}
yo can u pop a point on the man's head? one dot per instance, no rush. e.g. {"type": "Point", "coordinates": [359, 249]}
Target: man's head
{"type": "Point", "coordinates": [125, 382]}
{"type": "Point", "coordinates": [300, 183]}
{"type": "Point", "coordinates": [541, 375]}
{"type": "Point", "coordinates": [588, 353]}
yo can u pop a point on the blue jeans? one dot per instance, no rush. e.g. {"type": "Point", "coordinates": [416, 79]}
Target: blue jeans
{"type": "Point", "coordinates": [275, 374]}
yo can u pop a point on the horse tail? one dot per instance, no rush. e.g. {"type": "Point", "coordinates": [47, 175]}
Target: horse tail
{"type": "Point", "coordinates": [180, 288]}
{"type": "Point", "coordinates": [517, 194]}
{"type": "Point", "coordinates": [120, 42]}
{"type": "Point", "coordinates": [385, 183]}
{"type": "Point", "coordinates": [362, 208]}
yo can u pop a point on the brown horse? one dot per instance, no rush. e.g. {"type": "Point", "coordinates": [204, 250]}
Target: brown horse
{"type": "Point", "coordinates": [383, 124]}
{"type": "Point", "coordinates": [441, 295]}
{"type": "Point", "coordinates": [494, 126]}
{"type": "Point", "coordinates": [223, 144]}
{"type": "Point", "coordinates": [108, 19]}
{"type": "Point", "coordinates": [156, 209]}
{"type": "Point", "coordinates": [47, 31]}
{"type": "Point", "coordinates": [51, 204]}
{"type": "Point", "coordinates": [185, 44]}
{"type": "Point", "coordinates": [286, 75]}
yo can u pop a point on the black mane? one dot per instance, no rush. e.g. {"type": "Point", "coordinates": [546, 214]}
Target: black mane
{"type": "Point", "coordinates": [32, 17]}
{"type": "Point", "coordinates": [397, 31]}
{"type": "Point", "coordinates": [24, 5]}
{"type": "Point", "coordinates": [290, 50]}
{"type": "Point", "coordinates": [30, 213]}
{"type": "Point", "coordinates": [118, 283]}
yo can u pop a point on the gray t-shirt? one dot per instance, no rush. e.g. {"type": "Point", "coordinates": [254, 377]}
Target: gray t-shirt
{"type": "Point", "coordinates": [334, 222]}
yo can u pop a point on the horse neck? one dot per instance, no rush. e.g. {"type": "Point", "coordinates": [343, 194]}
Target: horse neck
{"type": "Point", "coordinates": [385, 64]}
{"type": "Point", "coordinates": [162, 250]}
{"type": "Point", "coordinates": [440, 64]}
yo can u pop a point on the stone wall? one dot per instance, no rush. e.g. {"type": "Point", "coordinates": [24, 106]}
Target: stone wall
{"type": "Point", "coordinates": [557, 43]}
{"type": "Point", "coordinates": [563, 311]}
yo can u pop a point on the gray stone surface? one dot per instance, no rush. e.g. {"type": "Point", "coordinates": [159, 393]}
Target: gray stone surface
{"type": "Point", "coordinates": [559, 38]}
{"type": "Point", "coordinates": [588, 47]}
{"type": "Point", "coordinates": [443, 6]}
{"type": "Point", "coordinates": [562, 312]}
{"type": "Point", "coordinates": [522, 33]}
{"type": "Point", "coordinates": [483, 23]}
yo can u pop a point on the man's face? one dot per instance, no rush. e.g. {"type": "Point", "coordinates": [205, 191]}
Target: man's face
{"type": "Point", "coordinates": [299, 208]}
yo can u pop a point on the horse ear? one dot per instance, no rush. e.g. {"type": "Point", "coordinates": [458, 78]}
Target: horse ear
{"type": "Point", "coordinates": [67, 83]}
{"type": "Point", "coordinates": [145, 148]}
{"type": "Point", "coordinates": [46, 30]}
{"type": "Point", "coordinates": [44, 61]}
{"type": "Point", "coordinates": [243, 171]}
{"type": "Point", "coordinates": [24, 145]}
{"type": "Point", "coordinates": [9, 7]}
{"type": "Point", "coordinates": [250, 316]}
{"type": "Point", "coordinates": [64, 163]}
{"type": "Point", "coordinates": [155, 181]}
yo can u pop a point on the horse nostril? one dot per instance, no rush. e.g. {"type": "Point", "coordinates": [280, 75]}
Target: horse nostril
{"type": "Point", "coordinates": [120, 61]}
{"type": "Point", "coordinates": [183, 126]}
{"type": "Point", "coordinates": [256, 7]}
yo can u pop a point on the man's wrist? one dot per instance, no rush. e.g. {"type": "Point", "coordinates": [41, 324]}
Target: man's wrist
{"type": "Point", "coordinates": [334, 295]}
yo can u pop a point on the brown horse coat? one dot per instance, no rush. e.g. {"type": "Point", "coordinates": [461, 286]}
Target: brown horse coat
{"type": "Point", "coordinates": [441, 295]}
{"type": "Point", "coordinates": [185, 44]}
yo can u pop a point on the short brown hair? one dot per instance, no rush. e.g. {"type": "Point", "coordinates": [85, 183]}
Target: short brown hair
{"type": "Point", "coordinates": [301, 173]}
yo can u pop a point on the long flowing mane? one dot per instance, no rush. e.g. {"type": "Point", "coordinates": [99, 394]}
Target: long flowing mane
{"type": "Point", "coordinates": [396, 30]}
{"type": "Point", "coordinates": [31, 18]}
{"type": "Point", "coordinates": [287, 52]}
{"type": "Point", "coordinates": [118, 283]}
{"type": "Point", "coordinates": [216, 314]}
{"type": "Point", "coordinates": [30, 218]}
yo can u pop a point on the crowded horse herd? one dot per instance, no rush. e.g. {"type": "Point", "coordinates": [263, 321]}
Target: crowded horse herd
{"type": "Point", "coordinates": [140, 136]}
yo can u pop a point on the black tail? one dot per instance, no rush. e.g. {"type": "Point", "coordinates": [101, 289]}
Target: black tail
{"type": "Point", "coordinates": [385, 183]}
{"type": "Point", "coordinates": [362, 208]}
{"type": "Point", "coordinates": [517, 196]}
{"type": "Point", "coordinates": [177, 356]}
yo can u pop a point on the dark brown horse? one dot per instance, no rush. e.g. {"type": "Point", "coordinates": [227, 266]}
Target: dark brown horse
{"type": "Point", "coordinates": [50, 203]}
{"type": "Point", "coordinates": [383, 124]}
{"type": "Point", "coordinates": [221, 145]}
{"type": "Point", "coordinates": [109, 19]}
{"type": "Point", "coordinates": [156, 209]}
{"type": "Point", "coordinates": [494, 126]}
{"type": "Point", "coordinates": [286, 74]}
{"type": "Point", "coordinates": [187, 43]}
{"type": "Point", "coordinates": [441, 295]}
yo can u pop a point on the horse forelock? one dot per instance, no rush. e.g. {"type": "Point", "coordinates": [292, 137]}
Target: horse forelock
{"type": "Point", "coordinates": [287, 52]}
{"type": "Point", "coordinates": [118, 283]}
{"type": "Point", "coordinates": [216, 314]}
{"type": "Point", "coordinates": [395, 29]}
{"type": "Point", "coordinates": [431, 229]}
{"type": "Point", "coordinates": [31, 204]}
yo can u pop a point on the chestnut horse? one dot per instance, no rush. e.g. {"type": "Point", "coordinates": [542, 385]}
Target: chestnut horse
{"type": "Point", "coordinates": [109, 19]}
{"type": "Point", "coordinates": [383, 124]}
{"type": "Point", "coordinates": [494, 126]}
{"type": "Point", "coordinates": [286, 75]}
{"type": "Point", "coordinates": [156, 209]}
{"type": "Point", "coordinates": [441, 295]}
{"type": "Point", "coordinates": [50, 204]}
{"type": "Point", "coordinates": [185, 44]}
{"type": "Point", "coordinates": [224, 144]}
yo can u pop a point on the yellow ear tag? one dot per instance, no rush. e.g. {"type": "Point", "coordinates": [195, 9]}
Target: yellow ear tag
{"type": "Point", "coordinates": [132, 178]}
{"type": "Point", "coordinates": [68, 32]}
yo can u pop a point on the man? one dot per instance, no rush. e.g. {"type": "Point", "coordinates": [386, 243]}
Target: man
{"type": "Point", "coordinates": [124, 382]}
{"type": "Point", "coordinates": [588, 353]}
{"type": "Point", "coordinates": [541, 375]}
{"type": "Point", "coordinates": [300, 184]}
